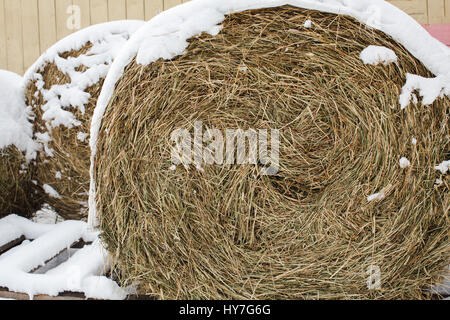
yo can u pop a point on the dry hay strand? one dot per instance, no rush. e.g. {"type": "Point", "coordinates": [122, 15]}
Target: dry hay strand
{"type": "Point", "coordinates": [68, 170]}
{"type": "Point", "coordinates": [228, 232]}
{"type": "Point", "coordinates": [18, 194]}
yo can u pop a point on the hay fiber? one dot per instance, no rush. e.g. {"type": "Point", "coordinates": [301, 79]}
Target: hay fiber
{"type": "Point", "coordinates": [229, 232]}
{"type": "Point", "coordinates": [68, 170]}
{"type": "Point", "coordinates": [18, 194]}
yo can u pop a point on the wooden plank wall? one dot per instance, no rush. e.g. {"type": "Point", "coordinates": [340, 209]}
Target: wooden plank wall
{"type": "Point", "coordinates": [426, 11]}
{"type": "Point", "coordinates": [29, 27]}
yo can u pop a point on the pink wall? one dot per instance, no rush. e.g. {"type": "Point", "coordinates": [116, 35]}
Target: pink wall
{"type": "Point", "coordinates": [440, 32]}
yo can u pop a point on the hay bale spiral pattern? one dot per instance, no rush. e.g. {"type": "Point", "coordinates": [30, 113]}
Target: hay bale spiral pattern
{"type": "Point", "coordinates": [228, 232]}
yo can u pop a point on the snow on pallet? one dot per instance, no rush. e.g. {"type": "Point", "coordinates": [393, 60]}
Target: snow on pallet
{"type": "Point", "coordinates": [63, 261]}
{"type": "Point", "coordinates": [443, 289]}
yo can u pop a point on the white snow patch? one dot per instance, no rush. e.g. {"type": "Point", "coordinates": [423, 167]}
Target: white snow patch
{"type": "Point", "coordinates": [414, 141]}
{"type": "Point", "coordinates": [381, 195]}
{"type": "Point", "coordinates": [404, 163]}
{"type": "Point", "coordinates": [243, 68]}
{"type": "Point", "coordinates": [44, 139]}
{"type": "Point", "coordinates": [376, 197]}
{"type": "Point", "coordinates": [51, 192]}
{"type": "Point", "coordinates": [81, 136]}
{"type": "Point", "coordinates": [15, 125]}
{"type": "Point", "coordinates": [166, 35]}
{"type": "Point", "coordinates": [308, 24]}
{"type": "Point", "coordinates": [443, 167]}
{"type": "Point", "coordinates": [83, 273]}
{"type": "Point", "coordinates": [47, 216]}
{"type": "Point", "coordinates": [415, 100]}
{"type": "Point", "coordinates": [374, 55]}
{"type": "Point", "coordinates": [99, 287]}
{"type": "Point", "coordinates": [429, 89]}
{"type": "Point", "coordinates": [444, 288]}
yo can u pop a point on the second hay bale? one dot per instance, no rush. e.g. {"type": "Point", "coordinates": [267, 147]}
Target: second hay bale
{"type": "Point", "coordinates": [63, 87]}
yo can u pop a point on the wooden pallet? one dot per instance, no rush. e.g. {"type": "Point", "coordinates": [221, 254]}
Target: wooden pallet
{"type": "Point", "coordinates": [68, 256]}
{"type": "Point", "coordinates": [67, 295]}
{"type": "Point", "coordinates": [6, 294]}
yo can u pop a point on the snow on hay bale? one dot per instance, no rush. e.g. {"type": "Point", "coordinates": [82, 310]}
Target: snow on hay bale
{"type": "Point", "coordinates": [62, 87]}
{"type": "Point", "coordinates": [17, 149]}
{"type": "Point", "coordinates": [184, 226]}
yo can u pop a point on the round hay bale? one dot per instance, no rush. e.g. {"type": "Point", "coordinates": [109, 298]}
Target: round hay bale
{"type": "Point", "coordinates": [17, 149]}
{"type": "Point", "coordinates": [336, 217]}
{"type": "Point", "coordinates": [62, 87]}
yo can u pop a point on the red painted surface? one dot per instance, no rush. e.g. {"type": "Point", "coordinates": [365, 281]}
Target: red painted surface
{"type": "Point", "coordinates": [440, 32]}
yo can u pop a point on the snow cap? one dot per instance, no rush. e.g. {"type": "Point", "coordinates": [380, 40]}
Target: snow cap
{"type": "Point", "coordinates": [15, 126]}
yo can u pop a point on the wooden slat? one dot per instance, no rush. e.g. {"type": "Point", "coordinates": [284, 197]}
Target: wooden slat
{"type": "Point", "coordinates": [117, 10]}
{"type": "Point", "coordinates": [65, 296]}
{"type": "Point", "coordinates": [11, 244]}
{"type": "Point", "coordinates": [99, 11]}
{"type": "Point", "coordinates": [85, 10]}
{"type": "Point", "coordinates": [436, 11]}
{"type": "Point", "coordinates": [30, 28]}
{"type": "Point", "coordinates": [47, 24]}
{"type": "Point", "coordinates": [135, 10]}
{"type": "Point", "coordinates": [62, 16]}
{"type": "Point", "coordinates": [3, 60]}
{"type": "Point", "coordinates": [14, 41]}
{"type": "Point", "coordinates": [5, 294]}
{"type": "Point", "coordinates": [153, 7]}
{"type": "Point", "coordinates": [171, 3]}
{"type": "Point", "coordinates": [447, 11]}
